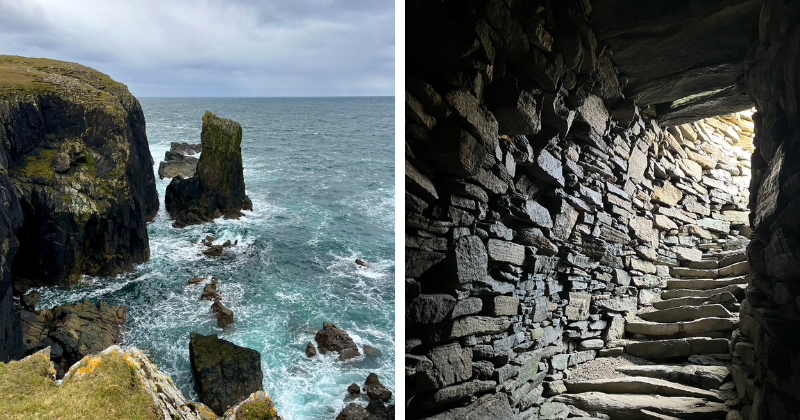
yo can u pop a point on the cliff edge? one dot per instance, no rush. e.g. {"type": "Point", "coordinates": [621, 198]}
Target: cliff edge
{"type": "Point", "coordinates": [75, 151]}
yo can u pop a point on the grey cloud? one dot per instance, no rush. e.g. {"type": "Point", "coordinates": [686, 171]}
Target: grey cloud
{"type": "Point", "coordinates": [214, 47]}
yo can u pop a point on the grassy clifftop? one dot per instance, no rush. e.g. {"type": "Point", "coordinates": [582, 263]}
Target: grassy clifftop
{"type": "Point", "coordinates": [110, 390]}
{"type": "Point", "coordinates": [22, 77]}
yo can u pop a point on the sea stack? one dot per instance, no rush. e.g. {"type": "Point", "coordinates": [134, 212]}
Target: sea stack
{"type": "Point", "coordinates": [217, 187]}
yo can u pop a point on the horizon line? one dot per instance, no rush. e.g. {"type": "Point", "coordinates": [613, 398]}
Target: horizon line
{"type": "Point", "coordinates": [311, 96]}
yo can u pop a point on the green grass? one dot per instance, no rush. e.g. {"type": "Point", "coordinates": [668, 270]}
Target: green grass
{"type": "Point", "coordinates": [39, 165]}
{"type": "Point", "coordinates": [256, 410]}
{"type": "Point", "coordinates": [111, 390]}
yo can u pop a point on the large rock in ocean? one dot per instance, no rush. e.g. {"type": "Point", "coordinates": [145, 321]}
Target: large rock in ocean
{"type": "Point", "coordinates": [76, 155]}
{"type": "Point", "coordinates": [330, 338]}
{"type": "Point", "coordinates": [217, 188]}
{"type": "Point", "coordinates": [72, 331]}
{"type": "Point", "coordinates": [223, 372]}
{"type": "Point", "coordinates": [178, 160]}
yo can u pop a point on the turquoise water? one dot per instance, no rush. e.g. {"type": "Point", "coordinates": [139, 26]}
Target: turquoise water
{"type": "Point", "coordinates": [320, 173]}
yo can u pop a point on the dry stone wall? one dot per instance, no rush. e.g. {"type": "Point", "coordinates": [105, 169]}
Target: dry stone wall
{"type": "Point", "coordinates": [543, 209]}
{"type": "Point", "coordinates": [767, 350]}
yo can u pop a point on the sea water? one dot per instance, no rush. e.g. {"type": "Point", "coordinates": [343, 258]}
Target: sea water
{"type": "Point", "coordinates": [320, 173]}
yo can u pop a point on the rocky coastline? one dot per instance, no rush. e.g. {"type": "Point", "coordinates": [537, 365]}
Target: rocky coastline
{"type": "Point", "coordinates": [77, 189]}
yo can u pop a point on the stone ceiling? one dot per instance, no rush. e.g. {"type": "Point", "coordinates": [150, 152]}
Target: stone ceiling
{"type": "Point", "coordinates": [684, 57]}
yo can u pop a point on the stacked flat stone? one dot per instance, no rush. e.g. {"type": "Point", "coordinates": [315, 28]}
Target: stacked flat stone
{"type": "Point", "coordinates": [543, 211]}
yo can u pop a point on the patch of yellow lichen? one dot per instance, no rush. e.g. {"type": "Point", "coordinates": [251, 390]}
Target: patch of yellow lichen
{"type": "Point", "coordinates": [91, 364]}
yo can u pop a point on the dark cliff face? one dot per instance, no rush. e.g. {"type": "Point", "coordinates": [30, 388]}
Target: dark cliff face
{"type": "Point", "coordinates": [10, 220]}
{"type": "Point", "coordinates": [75, 147]}
{"type": "Point", "coordinates": [217, 188]}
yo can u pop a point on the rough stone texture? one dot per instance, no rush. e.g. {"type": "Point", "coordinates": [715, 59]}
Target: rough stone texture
{"type": "Point", "coordinates": [72, 331]}
{"type": "Point", "coordinates": [89, 218]}
{"type": "Point", "coordinates": [706, 377]}
{"type": "Point", "coordinates": [168, 399]}
{"type": "Point", "coordinates": [330, 338]}
{"type": "Point", "coordinates": [554, 240]}
{"type": "Point", "coordinates": [223, 372]}
{"type": "Point", "coordinates": [628, 407]}
{"type": "Point", "coordinates": [175, 164]}
{"type": "Point", "coordinates": [217, 189]}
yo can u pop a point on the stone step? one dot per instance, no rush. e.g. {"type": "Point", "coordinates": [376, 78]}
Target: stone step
{"type": "Point", "coordinates": [630, 406]}
{"type": "Point", "coordinates": [704, 264]}
{"type": "Point", "coordinates": [678, 293]}
{"type": "Point", "coordinates": [735, 269]}
{"type": "Point", "coordinates": [704, 284]}
{"type": "Point", "coordinates": [706, 377]}
{"type": "Point", "coordinates": [641, 385]}
{"type": "Point", "coordinates": [682, 347]}
{"type": "Point", "coordinates": [687, 313]}
{"type": "Point", "coordinates": [729, 257]}
{"type": "Point", "coordinates": [699, 273]}
{"type": "Point", "coordinates": [693, 328]}
{"type": "Point", "coordinates": [649, 415]}
{"type": "Point", "coordinates": [724, 297]}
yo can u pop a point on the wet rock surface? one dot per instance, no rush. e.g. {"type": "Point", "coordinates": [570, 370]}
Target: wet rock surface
{"type": "Point", "coordinates": [224, 373]}
{"type": "Point", "coordinates": [72, 331]}
{"type": "Point", "coordinates": [330, 338]}
{"type": "Point", "coordinates": [217, 188]}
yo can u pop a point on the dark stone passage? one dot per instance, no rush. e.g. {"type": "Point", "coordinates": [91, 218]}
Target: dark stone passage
{"type": "Point", "coordinates": [582, 191]}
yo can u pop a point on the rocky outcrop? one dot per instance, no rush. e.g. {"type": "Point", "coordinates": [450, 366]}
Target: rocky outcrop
{"type": "Point", "coordinates": [257, 405]}
{"type": "Point", "coordinates": [217, 188]}
{"type": "Point", "coordinates": [224, 373]}
{"type": "Point", "coordinates": [175, 164]}
{"type": "Point", "coordinates": [76, 153]}
{"type": "Point", "coordinates": [330, 338]}
{"type": "Point", "coordinates": [223, 315]}
{"type": "Point", "coordinates": [375, 410]}
{"type": "Point", "coordinates": [169, 401]}
{"type": "Point", "coordinates": [72, 331]}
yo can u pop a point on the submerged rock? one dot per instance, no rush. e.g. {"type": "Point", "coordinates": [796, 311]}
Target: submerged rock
{"type": "Point", "coordinates": [362, 263]}
{"type": "Point", "coordinates": [224, 315]}
{"type": "Point", "coordinates": [76, 154]}
{"type": "Point", "coordinates": [195, 280]}
{"type": "Point", "coordinates": [217, 188]}
{"type": "Point", "coordinates": [330, 338]}
{"type": "Point", "coordinates": [311, 351]}
{"type": "Point", "coordinates": [223, 372]}
{"type": "Point", "coordinates": [210, 292]}
{"type": "Point", "coordinates": [72, 331]}
{"type": "Point", "coordinates": [370, 351]}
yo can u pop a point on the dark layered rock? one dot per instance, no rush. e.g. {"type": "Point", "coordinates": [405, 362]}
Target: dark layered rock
{"type": "Point", "coordinates": [766, 350]}
{"type": "Point", "coordinates": [224, 373]}
{"type": "Point", "coordinates": [375, 389]}
{"type": "Point", "coordinates": [688, 60]}
{"type": "Point", "coordinates": [11, 219]}
{"type": "Point", "coordinates": [77, 157]}
{"type": "Point", "coordinates": [330, 338]}
{"type": "Point", "coordinates": [72, 331]}
{"type": "Point", "coordinates": [217, 188]}
{"type": "Point", "coordinates": [175, 164]}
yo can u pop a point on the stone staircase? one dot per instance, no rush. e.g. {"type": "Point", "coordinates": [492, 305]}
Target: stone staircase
{"type": "Point", "coordinates": [687, 334]}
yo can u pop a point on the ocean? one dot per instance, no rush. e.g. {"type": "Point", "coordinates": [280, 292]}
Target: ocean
{"type": "Point", "coordinates": [320, 173]}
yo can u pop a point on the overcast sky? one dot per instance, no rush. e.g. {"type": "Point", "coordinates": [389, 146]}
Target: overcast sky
{"type": "Point", "coordinates": [214, 47]}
